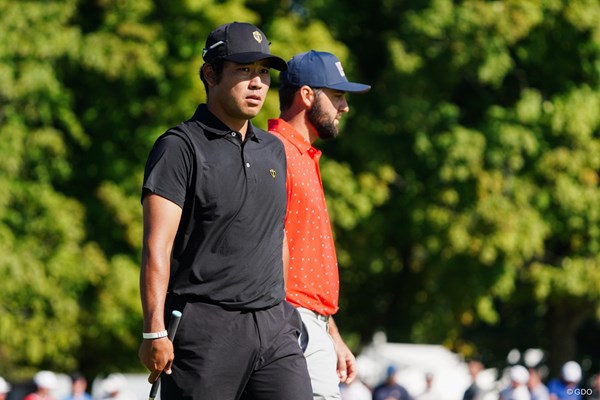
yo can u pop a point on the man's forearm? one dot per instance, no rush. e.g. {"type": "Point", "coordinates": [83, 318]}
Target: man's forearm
{"type": "Point", "coordinates": [333, 329]}
{"type": "Point", "coordinates": [161, 221]}
{"type": "Point", "coordinates": [154, 280]}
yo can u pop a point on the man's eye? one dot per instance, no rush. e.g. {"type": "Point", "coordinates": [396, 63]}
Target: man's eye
{"type": "Point", "coordinates": [244, 69]}
{"type": "Point", "coordinates": [265, 71]}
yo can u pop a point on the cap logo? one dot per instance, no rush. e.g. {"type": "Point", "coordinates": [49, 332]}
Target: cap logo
{"type": "Point", "coordinates": [340, 69]}
{"type": "Point", "coordinates": [257, 36]}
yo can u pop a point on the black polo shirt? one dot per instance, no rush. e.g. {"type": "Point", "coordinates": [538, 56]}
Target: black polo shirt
{"type": "Point", "coordinates": [228, 246]}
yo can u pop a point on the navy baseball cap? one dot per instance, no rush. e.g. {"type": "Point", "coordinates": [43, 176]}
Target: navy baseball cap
{"type": "Point", "coordinates": [319, 69]}
{"type": "Point", "coordinates": [242, 43]}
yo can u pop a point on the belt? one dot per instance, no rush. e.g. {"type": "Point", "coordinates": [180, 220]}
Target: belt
{"type": "Point", "coordinates": [324, 318]}
{"type": "Point", "coordinates": [320, 317]}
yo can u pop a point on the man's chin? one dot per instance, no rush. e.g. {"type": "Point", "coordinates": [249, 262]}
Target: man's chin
{"type": "Point", "coordinates": [329, 135]}
{"type": "Point", "coordinates": [251, 113]}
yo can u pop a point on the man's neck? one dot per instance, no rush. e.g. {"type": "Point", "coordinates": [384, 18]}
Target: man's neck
{"type": "Point", "coordinates": [234, 124]}
{"type": "Point", "coordinates": [299, 121]}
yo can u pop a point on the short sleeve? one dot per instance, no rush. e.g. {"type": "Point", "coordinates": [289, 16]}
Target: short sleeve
{"type": "Point", "coordinates": [168, 169]}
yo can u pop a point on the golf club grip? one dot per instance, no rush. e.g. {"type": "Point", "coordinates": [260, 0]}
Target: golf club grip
{"type": "Point", "coordinates": [172, 329]}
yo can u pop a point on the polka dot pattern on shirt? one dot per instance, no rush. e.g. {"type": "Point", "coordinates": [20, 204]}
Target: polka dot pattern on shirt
{"type": "Point", "coordinates": [313, 280]}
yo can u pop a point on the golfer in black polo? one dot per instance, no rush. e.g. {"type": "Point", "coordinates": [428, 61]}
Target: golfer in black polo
{"type": "Point", "coordinates": [214, 202]}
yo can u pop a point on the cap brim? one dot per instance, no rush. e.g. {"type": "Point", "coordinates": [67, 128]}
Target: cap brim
{"type": "Point", "coordinates": [350, 87]}
{"type": "Point", "coordinates": [246, 58]}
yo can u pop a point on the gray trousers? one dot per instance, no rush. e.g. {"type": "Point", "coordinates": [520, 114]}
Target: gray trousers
{"type": "Point", "coordinates": [320, 356]}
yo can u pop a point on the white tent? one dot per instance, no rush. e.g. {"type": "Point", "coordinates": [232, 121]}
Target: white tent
{"type": "Point", "coordinates": [413, 361]}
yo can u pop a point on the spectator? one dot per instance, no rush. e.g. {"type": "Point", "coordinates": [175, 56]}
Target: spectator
{"type": "Point", "coordinates": [430, 393]}
{"type": "Point", "coordinates": [114, 387]}
{"type": "Point", "coordinates": [563, 388]}
{"type": "Point", "coordinates": [390, 389]}
{"type": "Point", "coordinates": [517, 390]}
{"type": "Point", "coordinates": [45, 382]}
{"type": "Point", "coordinates": [4, 389]}
{"type": "Point", "coordinates": [78, 388]}
{"type": "Point", "coordinates": [538, 390]}
{"type": "Point", "coordinates": [474, 391]}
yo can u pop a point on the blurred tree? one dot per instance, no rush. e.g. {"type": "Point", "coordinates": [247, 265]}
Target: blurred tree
{"type": "Point", "coordinates": [46, 263]}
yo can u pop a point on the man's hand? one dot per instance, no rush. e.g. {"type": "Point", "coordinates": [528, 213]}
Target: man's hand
{"type": "Point", "coordinates": [157, 355]}
{"type": "Point", "coordinates": [346, 363]}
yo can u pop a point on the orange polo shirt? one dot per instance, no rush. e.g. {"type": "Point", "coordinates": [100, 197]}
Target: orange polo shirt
{"type": "Point", "coordinates": [313, 280]}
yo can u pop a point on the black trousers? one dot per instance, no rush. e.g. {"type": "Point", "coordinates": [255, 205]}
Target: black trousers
{"type": "Point", "coordinates": [230, 355]}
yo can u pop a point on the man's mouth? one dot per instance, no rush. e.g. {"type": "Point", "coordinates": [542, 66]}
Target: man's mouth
{"type": "Point", "coordinates": [255, 99]}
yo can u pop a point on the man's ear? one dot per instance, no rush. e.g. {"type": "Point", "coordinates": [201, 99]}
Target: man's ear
{"type": "Point", "coordinates": [307, 96]}
{"type": "Point", "coordinates": [209, 74]}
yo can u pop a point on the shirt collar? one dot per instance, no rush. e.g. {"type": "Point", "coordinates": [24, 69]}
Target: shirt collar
{"type": "Point", "coordinates": [292, 135]}
{"type": "Point", "coordinates": [211, 123]}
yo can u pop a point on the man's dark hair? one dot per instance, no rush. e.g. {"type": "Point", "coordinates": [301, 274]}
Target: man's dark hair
{"type": "Point", "coordinates": [77, 375]}
{"type": "Point", "coordinates": [286, 96]}
{"type": "Point", "coordinates": [218, 64]}
{"type": "Point", "coordinates": [287, 93]}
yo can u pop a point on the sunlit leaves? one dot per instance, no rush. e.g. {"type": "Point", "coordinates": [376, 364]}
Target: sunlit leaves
{"type": "Point", "coordinates": [352, 198]}
{"type": "Point", "coordinates": [126, 211]}
{"type": "Point", "coordinates": [404, 62]}
{"type": "Point", "coordinates": [117, 57]}
{"type": "Point", "coordinates": [576, 114]}
{"type": "Point", "coordinates": [574, 277]}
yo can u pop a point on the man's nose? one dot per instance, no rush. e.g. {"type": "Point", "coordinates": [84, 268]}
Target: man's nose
{"type": "Point", "coordinates": [344, 106]}
{"type": "Point", "coordinates": [256, 81]}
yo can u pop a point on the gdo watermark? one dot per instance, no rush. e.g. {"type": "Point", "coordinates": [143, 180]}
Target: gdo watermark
{"type": "Point", "coordinates": [580, 391]}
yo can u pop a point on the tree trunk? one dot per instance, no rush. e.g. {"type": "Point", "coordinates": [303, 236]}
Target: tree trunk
{"type": "Point", "coordinates": [563, 321]}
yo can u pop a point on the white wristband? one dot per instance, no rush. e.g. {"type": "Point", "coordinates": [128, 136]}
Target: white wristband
{"type": "Point", "coordinates": [154, 335]}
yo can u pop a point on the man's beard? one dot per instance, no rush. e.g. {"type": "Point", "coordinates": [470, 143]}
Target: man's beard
{"type": "Point", "coordinates": [325, 127]}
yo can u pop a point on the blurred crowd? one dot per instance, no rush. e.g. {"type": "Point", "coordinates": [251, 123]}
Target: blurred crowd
{"type": "Point", "coordinates": [517, 382]}
{"type": "Point", "coordinates": [46, 385]}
